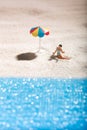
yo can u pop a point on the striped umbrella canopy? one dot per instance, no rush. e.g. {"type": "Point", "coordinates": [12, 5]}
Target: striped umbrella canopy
{"type": "Point", "coordinates": [39, 32]}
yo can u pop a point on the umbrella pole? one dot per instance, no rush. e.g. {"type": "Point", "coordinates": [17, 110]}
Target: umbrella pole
{"type": "Point", "coordinates": [39, 44]}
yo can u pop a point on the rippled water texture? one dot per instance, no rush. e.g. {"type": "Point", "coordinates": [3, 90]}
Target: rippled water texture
{"type": "Point", "coordinates": [43, 104]}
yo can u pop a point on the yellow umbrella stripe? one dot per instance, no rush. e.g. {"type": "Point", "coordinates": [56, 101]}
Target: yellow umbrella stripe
{"type": "Point", "coordinates": [35, 33]}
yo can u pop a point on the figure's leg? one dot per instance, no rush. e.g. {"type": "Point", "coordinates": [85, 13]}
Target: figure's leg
{"type": "Point", "coordinates": [64, 57]}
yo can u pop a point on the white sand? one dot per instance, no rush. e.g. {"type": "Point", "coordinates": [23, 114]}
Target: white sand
{"type": "Point", "coordinates": [66, 20]}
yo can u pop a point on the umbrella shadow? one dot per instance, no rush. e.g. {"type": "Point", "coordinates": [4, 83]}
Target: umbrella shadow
{"type": "Point", "coordinates": [26, 56]}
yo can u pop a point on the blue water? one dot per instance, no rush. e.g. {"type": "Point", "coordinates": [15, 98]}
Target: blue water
{"type": "Point", "coordinates": [43, 104]}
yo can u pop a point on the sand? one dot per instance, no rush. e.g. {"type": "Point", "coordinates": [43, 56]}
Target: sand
{"type": "Point", "coordinates": [66, 21]}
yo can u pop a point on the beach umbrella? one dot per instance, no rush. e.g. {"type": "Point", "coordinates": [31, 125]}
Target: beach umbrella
{"type": "Point", "coordinates": [39, 32]}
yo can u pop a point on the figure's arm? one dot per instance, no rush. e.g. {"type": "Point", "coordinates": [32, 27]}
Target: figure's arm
{"type": "Point", "coordinates": [62, 51]}
{"type": "Point", "coordinates": [54, 51]}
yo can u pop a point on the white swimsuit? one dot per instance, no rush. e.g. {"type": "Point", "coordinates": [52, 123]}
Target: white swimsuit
{"type": "Point", "coordinates": [58, 52]}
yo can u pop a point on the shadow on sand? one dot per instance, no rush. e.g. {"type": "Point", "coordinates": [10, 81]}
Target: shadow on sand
{"type": "Point", "coordinates": [26, 56]}
{"type": "Point", "coordinates": [52, 57]}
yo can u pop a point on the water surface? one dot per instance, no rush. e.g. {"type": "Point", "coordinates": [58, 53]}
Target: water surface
{"type": "Point", "coordinates": [43, 104]}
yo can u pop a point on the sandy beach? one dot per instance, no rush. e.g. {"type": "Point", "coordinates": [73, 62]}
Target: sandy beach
{"type": "Point", "coordinates": [66, 21]}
